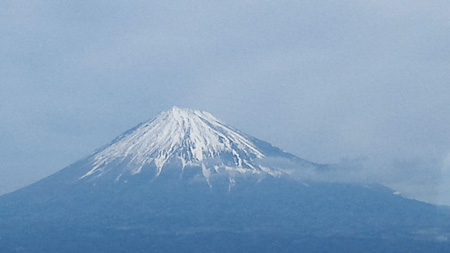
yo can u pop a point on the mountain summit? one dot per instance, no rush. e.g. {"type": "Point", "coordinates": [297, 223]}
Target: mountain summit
{"type": "Point", "coordinates": [181, 141]}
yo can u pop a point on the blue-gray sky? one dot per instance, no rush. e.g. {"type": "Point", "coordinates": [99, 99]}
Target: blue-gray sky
{"type": "Point", "coordinates": [364, 81]}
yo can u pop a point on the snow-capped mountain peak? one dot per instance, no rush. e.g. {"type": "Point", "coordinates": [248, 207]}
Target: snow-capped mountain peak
{"type": "Point", "coordinates": [180, 139]}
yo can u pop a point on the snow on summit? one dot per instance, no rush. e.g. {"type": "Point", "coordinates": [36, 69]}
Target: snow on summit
{"type": "Point", "coordinates": [180, 139]}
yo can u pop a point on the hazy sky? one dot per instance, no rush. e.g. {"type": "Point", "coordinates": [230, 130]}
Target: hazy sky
{"type": "Point", "coordinates": [363, 81]}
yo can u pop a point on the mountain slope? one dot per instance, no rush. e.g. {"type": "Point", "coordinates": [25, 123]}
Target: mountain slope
{"type": "Point", "coordinates": [180, 141]}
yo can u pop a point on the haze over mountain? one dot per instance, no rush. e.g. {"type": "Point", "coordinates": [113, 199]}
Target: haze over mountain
{"type": "Point", "coordinates": [185, 181]}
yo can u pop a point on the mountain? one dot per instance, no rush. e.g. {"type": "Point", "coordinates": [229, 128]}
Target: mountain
{"type": "Point", "coordinates": [186, 182]}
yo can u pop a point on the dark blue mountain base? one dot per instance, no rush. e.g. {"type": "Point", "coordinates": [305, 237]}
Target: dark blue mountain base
{"type": "Point", "coordinates": [273, 215]}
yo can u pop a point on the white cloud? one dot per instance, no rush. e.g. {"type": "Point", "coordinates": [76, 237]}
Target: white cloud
{"type": "Point", "coordinates": [444, 182]}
